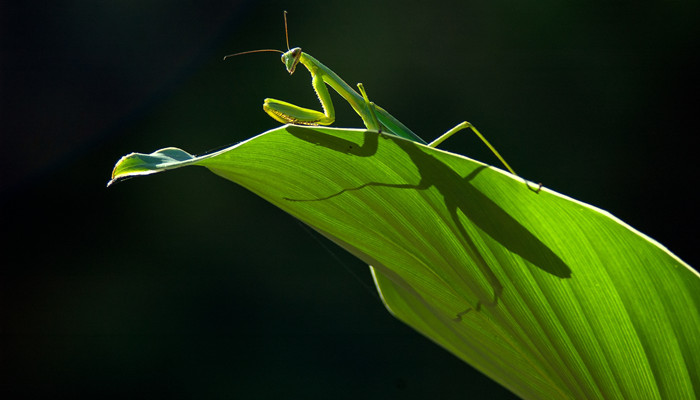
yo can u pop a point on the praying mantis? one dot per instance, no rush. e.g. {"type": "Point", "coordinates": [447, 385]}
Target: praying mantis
{"type": "Point", "coordinates": [373, 116]}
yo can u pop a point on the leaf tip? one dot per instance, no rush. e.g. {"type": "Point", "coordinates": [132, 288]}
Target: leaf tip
{"type": "Point", "coordinates": [134, 164]}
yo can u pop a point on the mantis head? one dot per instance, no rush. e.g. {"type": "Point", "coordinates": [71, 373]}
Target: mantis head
{"type": "Point", "coordinates": [291, 58]}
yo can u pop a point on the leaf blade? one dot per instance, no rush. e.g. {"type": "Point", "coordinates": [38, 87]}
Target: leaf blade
{"type": "Point", "coordinates": [549, 296]}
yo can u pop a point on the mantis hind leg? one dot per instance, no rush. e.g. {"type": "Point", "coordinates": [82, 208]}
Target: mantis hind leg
{"type": "Point", "coordinates": [467, 125]}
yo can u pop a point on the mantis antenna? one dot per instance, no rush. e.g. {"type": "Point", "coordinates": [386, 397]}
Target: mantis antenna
{"type": "Point", "coordinates": [286, 32]}
{"type": "Point", "coordinates": [253, 51]}
{"type": "Point", "coordinates": [286, 37]}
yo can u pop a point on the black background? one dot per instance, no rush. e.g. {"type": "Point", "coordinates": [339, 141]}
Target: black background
{"type": "Point", "coordinates": [185, 285]}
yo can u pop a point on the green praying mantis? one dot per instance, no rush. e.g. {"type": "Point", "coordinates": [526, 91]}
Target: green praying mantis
{"type": "Point", "coordinates": [373, 116]}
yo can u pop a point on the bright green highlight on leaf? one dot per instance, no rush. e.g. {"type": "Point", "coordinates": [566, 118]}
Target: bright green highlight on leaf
{"type": "Point", "coordinates": [549, 296]}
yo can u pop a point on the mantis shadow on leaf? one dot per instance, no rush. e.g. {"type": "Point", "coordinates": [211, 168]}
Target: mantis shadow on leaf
{"type": "Point", "coordinates": [459, 194]}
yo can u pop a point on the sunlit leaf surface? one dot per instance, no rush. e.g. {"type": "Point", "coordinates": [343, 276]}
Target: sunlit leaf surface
{"type": "Point", "coordinates": [550, 297]}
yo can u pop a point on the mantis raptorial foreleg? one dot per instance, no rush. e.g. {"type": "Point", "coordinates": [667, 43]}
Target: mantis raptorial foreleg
{"type": "Point", "coordinates": [289, 113]}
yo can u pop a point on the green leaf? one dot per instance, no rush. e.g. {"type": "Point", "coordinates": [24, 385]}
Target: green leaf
{"type": "Point", "coordinates": [551, 297]}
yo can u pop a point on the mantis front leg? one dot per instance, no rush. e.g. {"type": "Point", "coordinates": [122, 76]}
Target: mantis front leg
{"type": "Point", "coordinates": [288, 113]}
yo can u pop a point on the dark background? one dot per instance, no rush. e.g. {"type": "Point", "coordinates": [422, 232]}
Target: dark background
{"type": "Point", "coordinates": [183, 284]}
